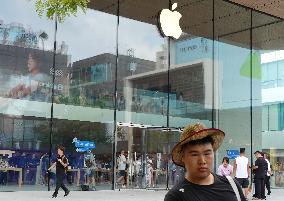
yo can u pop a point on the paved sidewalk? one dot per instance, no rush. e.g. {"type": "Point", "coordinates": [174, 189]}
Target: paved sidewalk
{"type": "Point", "coordinates": [124, 195]}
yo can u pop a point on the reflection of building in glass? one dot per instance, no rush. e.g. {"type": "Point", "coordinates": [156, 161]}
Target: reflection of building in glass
{"type": "Point", "coordinates": [161, 58]}
{"type": "Point", "coordinates": [94, 78]}
{"type": "Point", "coordinates": [187, 93]}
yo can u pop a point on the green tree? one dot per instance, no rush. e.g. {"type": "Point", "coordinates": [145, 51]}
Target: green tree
{"type": "Point", "coordinates": [60, 8]}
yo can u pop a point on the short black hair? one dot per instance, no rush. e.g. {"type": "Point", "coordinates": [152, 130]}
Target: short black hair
{"type": "Point", "coordinates": [61, 147]}
{"type": "Point", "coordinates": [206, 140]}
{"type": "Point", "coordinates": [257, 152]}
{"type": "Point", "coordinates": [226, 159]}
{"type": "Point", "coordinates": [242, 150]}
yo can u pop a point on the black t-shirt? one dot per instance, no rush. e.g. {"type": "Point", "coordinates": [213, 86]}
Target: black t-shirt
{"type": "Point", "coordinates": [261, 171]}
{"type": "Point", "coordinates": [220, 190]}
{"type": "Point", "coordinates": [59, 166]}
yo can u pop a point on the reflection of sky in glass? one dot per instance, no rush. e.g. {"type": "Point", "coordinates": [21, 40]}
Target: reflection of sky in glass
{"type": "Point", "coordinates": [142, 37]}
{"type": "Point", "coordinates": [87, 34]}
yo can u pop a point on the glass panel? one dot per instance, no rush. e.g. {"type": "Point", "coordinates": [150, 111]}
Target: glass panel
{"type": "Point", "coordinates": [268, 39]}
{"type": "Point", "coordinates": [142, 74]}
{"type": "Point", "coordinates": [265, 118]}
{"type": "Point", "coordinates": [281, 116]}
{"type": "Point", "coordinates": [232, 56]}
{"type": "Point", "coordinates": [84, 96]}
{"type": "Point", "coordinates": [272, 74]}
{"type": "Point", "coordinates": [149, 163]}
{"type": "Point", "coordinates": [273, 117]}
{"type": "Point", "coordinates": [191, 69]}
{"type": "Point", "coordinates": [142, 84]}
{"type": "Point", "coordinates": [26, 43]}
{"type": "Point", "coordinates": [280, 73]}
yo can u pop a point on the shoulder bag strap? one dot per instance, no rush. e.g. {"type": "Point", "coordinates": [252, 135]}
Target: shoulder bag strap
{"type": "Point", "coordinates": [234, 186]}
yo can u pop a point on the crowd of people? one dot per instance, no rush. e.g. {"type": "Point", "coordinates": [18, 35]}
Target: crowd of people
{"type": "Point", "coordinates": [137, 170]}
{"type": "Point", "coordinates": [140, 171]}
{"type": "Point", "coordinates": [189, 167]}
{"type": "Point", "coordinates": [35, 164]}
{"type": "Point", "coordinates": [241, 170]}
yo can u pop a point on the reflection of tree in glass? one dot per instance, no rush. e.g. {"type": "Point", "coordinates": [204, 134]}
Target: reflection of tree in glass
{"type": "Point", "coordinates": [43, 37]}
{"type": "Point", "coordinates": [121, 133]}
{"type": "Point", "coordinates": [26, 40]}
{"type": "Point", "coordinates": [5, 33]}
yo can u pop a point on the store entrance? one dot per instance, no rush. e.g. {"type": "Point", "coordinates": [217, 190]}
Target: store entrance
{"type": "Point", "coordinates": [148, 153]}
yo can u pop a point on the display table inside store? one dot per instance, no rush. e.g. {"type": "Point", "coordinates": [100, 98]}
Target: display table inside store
{"type": "Point", "coordinates": [20, 170]}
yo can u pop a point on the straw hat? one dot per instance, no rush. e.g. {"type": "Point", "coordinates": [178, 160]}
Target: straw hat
{"type": "Point", "coordinates": [196, 132]}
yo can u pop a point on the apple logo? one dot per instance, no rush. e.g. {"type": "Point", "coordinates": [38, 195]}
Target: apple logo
{"type": "Point", "coordinates": [168, 22]}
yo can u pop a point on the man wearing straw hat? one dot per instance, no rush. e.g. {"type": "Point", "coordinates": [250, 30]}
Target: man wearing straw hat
{"type": "Point", "coordinates": [195, 152]}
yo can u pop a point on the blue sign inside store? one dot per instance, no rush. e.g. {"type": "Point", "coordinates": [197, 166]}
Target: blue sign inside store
{"type": "Point", "coordinates": [232, 154]}
{"type": "Point", "coordinates": [83, 146]}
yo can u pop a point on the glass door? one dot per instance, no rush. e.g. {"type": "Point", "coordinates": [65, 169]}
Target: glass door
{"type": "Point", "coordinates": [148, 155]}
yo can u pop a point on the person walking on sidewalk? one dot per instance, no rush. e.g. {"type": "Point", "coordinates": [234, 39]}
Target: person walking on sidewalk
{"type": "Point", "coordinates": [61, 165]}
{"type": "Point", "coordinates": [195, 152]}
{"type": "Point", "coordinates": [242, 171]}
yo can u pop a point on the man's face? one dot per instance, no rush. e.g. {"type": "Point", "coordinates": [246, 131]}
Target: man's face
{"type": "Point", "coordinates": [257, 155]}
{"type": "Point", "coordinates": [198, 160]}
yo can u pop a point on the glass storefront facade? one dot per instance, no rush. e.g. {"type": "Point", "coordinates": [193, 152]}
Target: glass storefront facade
{"type": "Point", "coordinates": [119, 84]}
